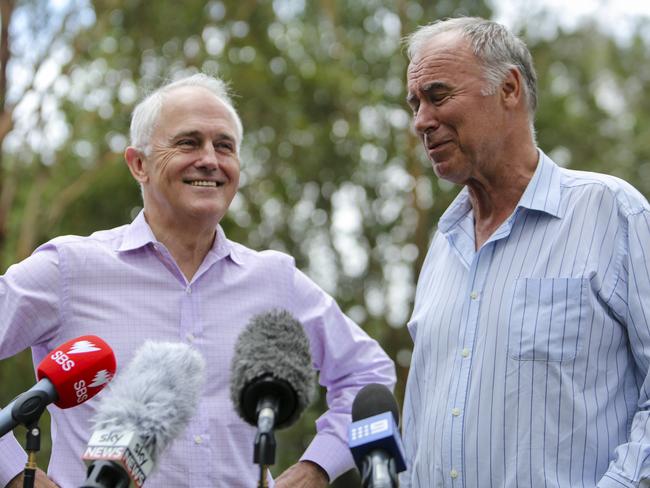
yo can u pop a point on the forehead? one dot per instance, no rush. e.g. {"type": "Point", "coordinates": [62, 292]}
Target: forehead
{"type": "Point", "coordinates": [194, 108]}
{"type": "Point", "coordinates": [446, 58]}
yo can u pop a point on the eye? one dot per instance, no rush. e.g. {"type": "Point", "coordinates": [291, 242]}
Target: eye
{"type": "Point", "coordinates": [226, 146]}
{"type": "Point", "coordinates": [186, 143]}
{"type": "Point", "coordinates": [439, 98]}
{"type": "Point", "coordinates": [414, 103]}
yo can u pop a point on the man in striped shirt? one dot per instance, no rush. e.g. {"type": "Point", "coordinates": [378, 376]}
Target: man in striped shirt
{"type": "Point", "coordinates": [532, 345]}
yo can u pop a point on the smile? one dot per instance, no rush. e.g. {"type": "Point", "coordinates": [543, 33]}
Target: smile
{"type": "Point", "coordinates": [205, 183]}
{"type": "Point", "coordinates": [432, 147]}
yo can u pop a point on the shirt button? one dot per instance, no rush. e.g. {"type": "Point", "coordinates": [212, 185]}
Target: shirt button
{"type": "Point", "coordinates": [473, 295]}
{"type": "Point", "coordinates": [190, 337]}
{"type": "Point", "coordinates": [453, 473]}
{"type": "Point", "coordinates": [465, 353]}
{"type": "Point", "coordinates": [188, 290]}
{"type": "Point", "coordinates": [198, 439]}
{"type": "Point", "coordinates": [455, 412]}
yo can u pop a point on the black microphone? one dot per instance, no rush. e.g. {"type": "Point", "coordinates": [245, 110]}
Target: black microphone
{"type": "Point", "coordinates": [147, 406]}
{"type": "Point", "coordinates": [374, 438]}
{"type": "Point", "coordinates": [272, 378]}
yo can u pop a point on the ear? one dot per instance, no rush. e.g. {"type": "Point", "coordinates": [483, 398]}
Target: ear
{"type": "Point", "coordinates": [512, 90]}
{"type": "Point", "coordinates": [135, 161]}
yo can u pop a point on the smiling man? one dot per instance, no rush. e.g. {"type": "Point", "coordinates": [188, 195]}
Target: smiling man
{"type": "Point", "coordinates": [188, 168]}
{"type": "Point", "coordinates": [531, 352]}
{"type": "Point", "coordinates": [173, 275]}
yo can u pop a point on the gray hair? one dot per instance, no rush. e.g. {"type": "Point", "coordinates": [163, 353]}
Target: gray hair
{"type": "Point", "coordinates": [146, 113]}
{"type": "Point", "coordinates": [495, 46]}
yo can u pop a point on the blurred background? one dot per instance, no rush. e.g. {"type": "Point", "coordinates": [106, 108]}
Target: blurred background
{"type": "Point", "coordinates": [331, 171]}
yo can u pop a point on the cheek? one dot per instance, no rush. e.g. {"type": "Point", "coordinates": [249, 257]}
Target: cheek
{"type": "Point", "coordinates": [232, 168]}
{"type": "Point", "coordinates": [165, 161]}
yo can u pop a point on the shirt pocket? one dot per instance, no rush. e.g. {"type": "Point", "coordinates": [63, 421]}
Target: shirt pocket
{"type": "Point", "coordinates": [547, 315]}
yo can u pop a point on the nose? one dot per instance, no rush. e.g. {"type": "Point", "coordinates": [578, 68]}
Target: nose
{"type": "Point", "coordinates": [426, 119]}
{"type": "Point", "coordinates": [209, 159]}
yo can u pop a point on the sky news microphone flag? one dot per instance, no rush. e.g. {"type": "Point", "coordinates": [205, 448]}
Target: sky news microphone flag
{"type": "Point", "coordinates": [148, 405]}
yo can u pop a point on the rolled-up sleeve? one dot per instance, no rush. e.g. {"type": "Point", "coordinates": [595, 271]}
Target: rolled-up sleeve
{"type": "Point", "coordinates": [29, 300]}
{"type": "Point", "coordinates": [347, 359]}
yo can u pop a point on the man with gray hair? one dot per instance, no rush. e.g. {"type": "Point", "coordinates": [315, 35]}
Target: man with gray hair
{"type": "Point", "coordinates": [173, 275]}
{"type": "Point", "coordinates": [531, 342]}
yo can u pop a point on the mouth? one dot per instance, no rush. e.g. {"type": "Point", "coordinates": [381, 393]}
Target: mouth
{"type": "Point", "coordinates": [436, 145]}
{"type": "Point", "coordinates": [204, 183]}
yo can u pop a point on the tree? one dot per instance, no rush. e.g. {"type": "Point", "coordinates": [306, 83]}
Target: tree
{"type": "Point", "coordinates": [330, 170]}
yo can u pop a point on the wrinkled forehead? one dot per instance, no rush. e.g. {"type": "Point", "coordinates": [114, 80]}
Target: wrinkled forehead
{"type": "Point", "coordinates": [442, 44]}
{"type": "Point", "coordinates": [195, 106]}
{"type": "Point", "coordinates": [444, 56]}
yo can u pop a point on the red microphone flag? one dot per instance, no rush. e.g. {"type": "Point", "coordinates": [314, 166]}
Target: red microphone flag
{"type": "Point", "coordinates": [78, 369]}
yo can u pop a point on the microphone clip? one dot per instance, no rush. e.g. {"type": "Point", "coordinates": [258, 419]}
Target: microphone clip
{"type": "Point", "coordinates": [29, 406]}
{"type": "Point", "coordinates": [264, 449]}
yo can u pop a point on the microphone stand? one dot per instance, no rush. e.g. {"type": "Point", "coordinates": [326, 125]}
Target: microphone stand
{"type": "Point", "coordinates": [264, 451]}
{"type": "Point", "coordinates": [106, 474]}
{"type": "Point", "coordinates": [264, 455]}
{"type": "Point", "coordinates": [27, 410]}
{"type": "Point", "coordinates": [378, 471]}
{"type": "Point", "coordinates": [33, 445]}
{"type": "Point", "coordinates": [267, 402]}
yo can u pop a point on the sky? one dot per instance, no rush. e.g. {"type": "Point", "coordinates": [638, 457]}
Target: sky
{"type": "Point", "coordinates": [615, 16]}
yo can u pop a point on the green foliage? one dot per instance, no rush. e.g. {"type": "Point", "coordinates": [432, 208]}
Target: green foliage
{"type": "Point", "coordinates": [330, 170]}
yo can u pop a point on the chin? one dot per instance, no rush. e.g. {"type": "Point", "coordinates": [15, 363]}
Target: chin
{"type": "Point", "coordinates": [207, 215]}
{"type": "Point", "coordinates": [449, 172]}
{"type": "Point", "coordinates": [442, 170]}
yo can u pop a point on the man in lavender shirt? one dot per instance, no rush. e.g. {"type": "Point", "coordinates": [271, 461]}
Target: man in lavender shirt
{"type": "Point", "coordinates": [173, 275]}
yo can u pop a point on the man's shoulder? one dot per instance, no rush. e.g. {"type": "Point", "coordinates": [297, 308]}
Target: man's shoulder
{"type": "Point", "coordinates": [264, 257]}
{"type": "Point", "coordinates": [627, 197]}
{"type": "Point", "coordinates": [108, 238]}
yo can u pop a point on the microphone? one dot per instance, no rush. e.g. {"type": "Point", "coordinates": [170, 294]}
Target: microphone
{"type": "Point", "coordinates": [71, 374]}
{"type": "Point", "coordinates": [272, 379]}
{"type": "Point", "coordinates": [374, 439]}
{"type": "Point", "coordinates": [144, 410]}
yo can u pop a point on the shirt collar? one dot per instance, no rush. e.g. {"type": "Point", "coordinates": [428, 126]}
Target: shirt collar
{"type": "Point", "coordinates": [138, 234]}
{"type": "Point", "coordinates": [542, 193]}
{"type": "Point", "coordinates": [543, 190]}
{"type": "Point", "coordinates": [223, 247]}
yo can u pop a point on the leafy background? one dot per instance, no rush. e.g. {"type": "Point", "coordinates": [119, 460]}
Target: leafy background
{"type": "Point", "coordinates": [331, 171]}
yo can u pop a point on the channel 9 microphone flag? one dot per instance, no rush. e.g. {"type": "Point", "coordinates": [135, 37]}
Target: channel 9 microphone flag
{"type": "Point", "coordinates": [374, 439]}
{"type": "Point", "coordinates": [147, 406]}
{"type": "Point", "coordinates": [71, 374]}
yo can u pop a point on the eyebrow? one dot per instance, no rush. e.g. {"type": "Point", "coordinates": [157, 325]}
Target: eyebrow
{"type": "Point", "coordinates": [427, 88]}
{"type": "Point", "coordinates": [435, 85]}
{"type": "Point", "coordinates": [199, 135]}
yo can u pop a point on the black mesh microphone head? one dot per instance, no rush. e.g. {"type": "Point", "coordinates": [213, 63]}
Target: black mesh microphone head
{"type": "Point", "coordinates": [272, 358]}
{"type": "Point", "coordinates": [374, 399]}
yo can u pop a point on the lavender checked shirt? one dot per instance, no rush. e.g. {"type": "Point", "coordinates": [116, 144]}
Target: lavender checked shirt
{"type": "Point", "coordinates": [123, 286]}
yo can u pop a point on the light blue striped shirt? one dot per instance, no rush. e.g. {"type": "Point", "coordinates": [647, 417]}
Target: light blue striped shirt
{"type": "Point", "coordinates": [531, 358]}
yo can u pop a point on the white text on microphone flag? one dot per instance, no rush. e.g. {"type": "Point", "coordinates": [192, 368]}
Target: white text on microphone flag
{"type": "Point", "coordinates": [125, 448]}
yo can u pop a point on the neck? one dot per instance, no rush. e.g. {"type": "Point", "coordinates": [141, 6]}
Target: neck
{"type": "Point", "coordinates": [494, 194]}
{"type": "Point", "coordinates": [188, 242]}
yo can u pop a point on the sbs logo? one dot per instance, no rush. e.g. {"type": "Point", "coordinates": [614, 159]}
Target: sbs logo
{"type": "Point", "coordinates": [81, 391]}
{"type": "Point", "coordinates": [63, 360]}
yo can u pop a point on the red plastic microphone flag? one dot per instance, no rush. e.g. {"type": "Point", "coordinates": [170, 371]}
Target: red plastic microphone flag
{"type": "Point", "coordinates": [78, 369]}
